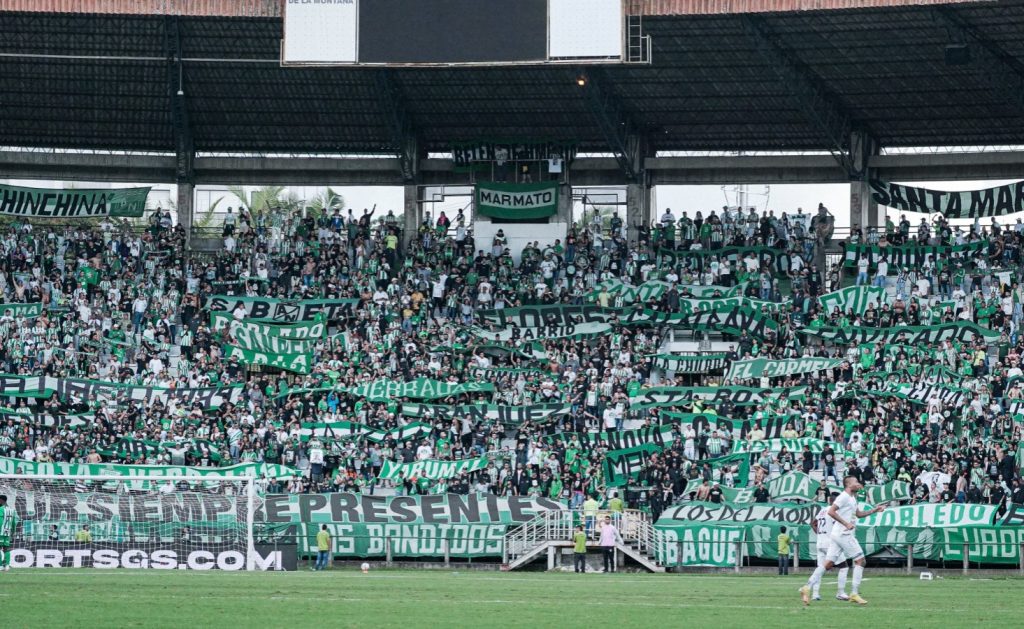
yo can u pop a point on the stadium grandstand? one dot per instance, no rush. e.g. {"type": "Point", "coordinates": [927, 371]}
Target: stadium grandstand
{"type": "Point", "coordinates": [529, 361]}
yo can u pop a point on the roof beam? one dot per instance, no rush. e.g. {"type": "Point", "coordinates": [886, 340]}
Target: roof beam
{"type": "Point", "coordinates": [812, 96]}
{"type": "Point", "coordinates": [403, 133]}
{"type": "Point", "coordinates": [1001, 69]}
{"type": "Point", "coordinates": [618, 128]}
{"type": "Point", "coordinates": [184, 147]}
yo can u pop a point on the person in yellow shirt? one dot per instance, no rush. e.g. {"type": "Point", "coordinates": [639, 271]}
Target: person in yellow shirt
{"type": "Point", "coordinates": [579, 550]}
{"type": "Point", "coordinates": [84, 536]}
{"type": "Point", "coordinates": [784, 542]}
{"type": "Point", "coordinates": [590, 507]}
{"type": "Point", "coordinates": [323, 547]}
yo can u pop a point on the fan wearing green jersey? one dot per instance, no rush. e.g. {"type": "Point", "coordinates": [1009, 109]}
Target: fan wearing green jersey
{"type": "Point", "coordinates": [8, 520]}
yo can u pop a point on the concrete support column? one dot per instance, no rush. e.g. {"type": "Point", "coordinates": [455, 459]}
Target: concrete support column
{"type": "Point", "coordinates": [185, 205]}
{"type": "Point", "coordinates": [413, 214]}
{"type": "Point", "coordinates": [564, 214]}
{"type": "Point", "coordinates": [638, 210]}
{"type": "Point", "coordinates": [863, 212]}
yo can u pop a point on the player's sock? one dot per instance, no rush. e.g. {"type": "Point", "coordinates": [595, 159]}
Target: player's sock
{"type": "Point", "coordinates": [842, 579]}
{"type": "Point", "coordinates": [816, 589]}
{"type": "Point", "coordinates": [858, 573]}
{"type": "Point", "coordinates": [815, 580]}
{"type": "Point", "coordinates": [5, 557]}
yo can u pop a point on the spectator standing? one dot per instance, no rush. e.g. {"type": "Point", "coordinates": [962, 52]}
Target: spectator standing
{"type": "Point", "coordinates": [609, 537]}
{"type": "Point", "coordinates": [785, 540]}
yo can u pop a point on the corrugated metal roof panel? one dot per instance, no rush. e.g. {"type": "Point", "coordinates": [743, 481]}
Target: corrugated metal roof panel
{"type": "Point", "coordinates": [716, 7]}
{"type": "Point", "coordinates": [273, 8]}
{"type": "Point", "coordinates": [223, 8]}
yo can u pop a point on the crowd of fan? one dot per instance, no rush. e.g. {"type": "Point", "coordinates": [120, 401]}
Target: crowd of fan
{"type": "Point", "coordinates": [127, 307]}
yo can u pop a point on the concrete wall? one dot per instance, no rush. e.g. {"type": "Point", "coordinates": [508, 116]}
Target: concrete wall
{"type": "Point", "coordinates": [518, 234]}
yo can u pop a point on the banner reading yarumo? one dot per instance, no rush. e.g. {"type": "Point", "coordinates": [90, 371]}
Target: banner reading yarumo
{"type": "Point", "coordinates": [997, 201]}
{"type": "Point", "coordinates": [70, 203]}
{"type": "Point", "coordinates": [432, 469]}
{"type": "Point", "coordinates": [517, 201]}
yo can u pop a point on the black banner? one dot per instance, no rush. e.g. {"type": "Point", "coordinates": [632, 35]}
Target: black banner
{"type": "Point", "coordinates": [283, 311]}
{"type": "Point", "coordinates": [997, 201]}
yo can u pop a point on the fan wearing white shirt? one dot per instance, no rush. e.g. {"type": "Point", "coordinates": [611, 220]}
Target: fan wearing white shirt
{"type": "Point", "coordinates": [845, 511]}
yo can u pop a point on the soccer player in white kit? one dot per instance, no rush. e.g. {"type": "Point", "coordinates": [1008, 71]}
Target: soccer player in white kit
{"type": "Point", "coordinates": [823, 527]}
{"type": "Point", "coordinates": [845, 511]}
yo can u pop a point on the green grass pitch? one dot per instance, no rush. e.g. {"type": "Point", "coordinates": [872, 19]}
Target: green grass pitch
{"type": "Point", "coordinates": [457, 598]}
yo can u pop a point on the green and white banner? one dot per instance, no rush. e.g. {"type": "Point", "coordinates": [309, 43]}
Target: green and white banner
{"type": "Point", "coordinates": [488, 413]}
{"type": "Point", "coordinates": [773, 425]}
{"type": "Point", "coordinates": [348, 431]}
{"type": "Point", "coordinates": [363, 525]}
{"type": "Point", "coordinates": [855, 298]}
{"type": "Point", "coordinates": [517, 201]}
{"type": "Point", "coordinates": [764, 368]}
{"type": "Point", "coordinates": [766, 257]}
{"type": "Point", "coordinates": [740, 396]}
{"type": "Point", "coordinates": [910, 255]}
{"type": "Point", "coordinates": [257, 470]}
{"type": "Point", "coordinates": [621, 466]}
{"type": "Point", "coordinates": [570, 331]}
{"type": "Point", "coordinates": [732, 319]}
{"type": "Point", "coordinates": [244, 337]}
{"type": "Point", "coordinates": [29, 311]}
{"type": "Point", "coordinates": [908, 335]}
{"type": "Point", "coordinates": [795, 446]}
{"type": "Point", "coordinates": [80, 390]}
{"type": "Point", "coordinates": [629, 293]}
{"type": "Point", "coordinates": [799, 486]}
{"type": "Point", "coordinates": [661, 436]}
{"type": "Point", "coordinates": [704, 363]}
{"type": "Point", "coordinates": [419, 389]}
{"type": "Point", "coordinates": [547, 316]}
{"type": "Point", "coordinates": [298, 363]}
{"type": "Point", "coordinates": [305, 330]}
{"type": "Point", "coordinates": [72, 203]}
{"type": "Point", "coordinates": [997, 201]}
{"type": "Point", "coordinates": [283, 310]}
{"type": "Point", "coordinates": [432, 469]}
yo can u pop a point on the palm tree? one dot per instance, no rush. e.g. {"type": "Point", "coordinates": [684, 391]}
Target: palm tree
{"type": "Point", "coordinates": [325, 203]}
{"type": "Point", "coordinates": [261, 198]}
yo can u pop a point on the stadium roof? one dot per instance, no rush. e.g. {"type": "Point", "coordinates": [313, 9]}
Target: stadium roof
{"type": "Point", "coordinates": [798, 80]}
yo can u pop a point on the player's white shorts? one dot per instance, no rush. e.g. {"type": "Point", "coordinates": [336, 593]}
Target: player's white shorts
{"type": "Point", "coordinates": [844, 546]}
{"type": "Point", "coordinates": [824, 545]}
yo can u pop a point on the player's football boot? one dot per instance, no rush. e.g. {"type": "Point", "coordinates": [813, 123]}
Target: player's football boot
{"type": "Point", "coordinates": [855, 598]}
{"type": "Point", "coordinates": [805, 595]}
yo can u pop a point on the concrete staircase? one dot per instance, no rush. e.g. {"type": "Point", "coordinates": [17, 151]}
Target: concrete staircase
{"type": "Point", "coordinates": [550, 531]}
